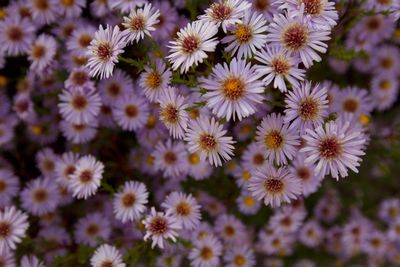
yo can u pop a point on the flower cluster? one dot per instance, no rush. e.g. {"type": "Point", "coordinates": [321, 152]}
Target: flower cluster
{"type": "Point", "coordinates": [189, 133]}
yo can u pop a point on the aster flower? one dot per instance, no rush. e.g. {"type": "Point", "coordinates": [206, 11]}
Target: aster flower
{"type": "Point", "coordinates": [31, 261]}
{"type": "Point", "coordinates": [154, 80]}
{"type": "Point", "coordinates": [277, 65]}
{"type": "Point", "coordinates": [233, 90]}
{"type": "Point", "coordinates": [311, 234]}
{"type": "Point", "coordinates": [13, 225]}
{"type": "Point", "coordinates": [104, 50]}
{"type": "Point", "coordinates": [45, 160]}
{"type": "Point", "coordinates": [16, 35]}
{"type": "Point", "coordinates": [353, 100]}
{"type": "Point", "coordinates": [253, 156]}
{"type": "Point", "coordinates": [199, 169]}
{"type": "Point", "coordinates": [79, 79]}
{"type": "Point", "coordinates": [79, 133]}
{"type": "Point", "coordinates": [230, 229]}
{"type": "Point", "coordinates": [306, 106]}
{"type": "Point", "coordinates": [184, 208]}
{"type": "Point", "coordinates": [43, 11]}
{"type": "Point", "coordinates": [206, 252]}
{"type": "Point", "coordinates": [40, 196]}
{"type": "Point", "coordinates": [278, 139]}
{"type": "Point", "coordinates": [265, 7]}
{"type": "Point", "coordinates": [9, 186]}
{"type": "Point", "coordinates": [79, 106]}
{"type": "Point", "coordinates": [114, 88]}
{"type": "Point", "coordinates": [225, 12]}
{"type": "Point", "coordinates": [131, 112]}
{"type": "Point", "coordinates": [306, 173]}
{"type": "Point", "coordinates": [286, 220]}
{"type": "Point", "coordinates": [274, 186]}
{"type": "Point", "coordinates": [168, 20]}
{"type": "Point", "coordinates": [86, 178]}
{"type": "Point", "coordinates": [70, 8]}
{"type": "Point", "coordinates": [173, 113]}
{"type": "Point", "coordinates": [334, 148]}
{"type": "Point", "coordinates": [126, 5]}
{"type": "Point", "coordinates": [42, 52]}
{"type": "Point", "coordinates": [248, 36]}
{"type": "Point", "coordinates": [65, 167]}
{"type": "Point", "coordinates": [160, 226]}
{"type": "Point", "coordinates": [240, 256]}
{"type": "Point", "coordinates": [207, 137]}
{"type": "Point", "coordinates": [107, 255]}
{"type": "Point", "coordinates": [247, 203]}
{"type": "Point", "coordinates": [192, 44]}
{"type": "Point", "coordinates": [140, 22]}
{"type": "Point", "coordinates": [129, 203]}
{"type": "Point", "coordinates": [100, 8]}
{"type": "Point", "coordinates": [170, 158]}
{"type": "Point", "coordinates": [80, 39]}
{"type": "Point", "coordinates": [92, 228]}
{"type": "Point", "coordinates": [296, 36]}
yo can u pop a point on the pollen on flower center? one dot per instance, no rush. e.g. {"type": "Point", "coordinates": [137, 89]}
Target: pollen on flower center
{"type": "Point", "coordinates": [137, 23]}
{"type": "Point", "coordinates": [190, 44]}
{"type": "Point", "coordinates": [243, 33]}
{"type": "Point", "coordinates": [239, 260]}
{"type": "Point", "coordinates": [22, 106]}
{"type": "Point", "coordinates": [5, 229]}
{"type": "Point", "coordinates": [295, 36]}
{"type": "Point", "coordinates": [153, 80]}
{"type": "Point", "coordinates": [14, 33]}
{"type": "Point", "coordinates": [246, 175]}
{"type": "Point", "coordinates": [84, 40]}
{"type": "Point", "coordinates": [207, 142]}
{"type": "Point", "coordinates": [3, 186]}
{"type": "Point", "coordinates": [104, 51]}
{"type": "Point", "coordinates": [114, 89]}
{"type": "Point", "coordinates": [106, 264]}
{"type": "Point", "coordinates": [374, 23]}
{"type": "Point", "coordinates": [350, 105]}
{"type": "Point", "coordinates": [128, 200]}
{"type": "Point", "coordinates": [69, 170]}
{"type": "Point", "coordinates": [273, 140]}
{"type": "Point", "coordinates": [220, 11]}
{"type": "Point", "coordinates": [273, 185]}
{"type": "Point", "coordinates": [92, 229]}
{"type": "Point", "coordinates": [385, 85]}
{"type": "Point", "coordinates": [86, 176]}
{"type": "Point", "coordinates": [229, 230]}
{"type": "Point", "coordinates": [249, 201]}
{"type": "Point", "coordinates": [308, 109]}
{"type": "Point", "coordinates": [170, 157]}
{"type": "Point", "coordinates": [68, 2]}
{"type": "Point", "coordinates": [41, 4]}
{"type": "Point", "coordinates": [384, 2]}
{"type": "Point", "coordinates": [38, 51]}
{"type": "Point", "coordinates": [233, 88]}
{"type": "Point", "coordinates": [194, 159]}
{"type": "Point", "coordinates": [286, 221]}
{"type": "Point", "coordinates": [262, 4]}
{"type": "Point", "coordinates": [79, 77]}
{"type": "Point", "coordinates": [206, 253]}
{"type": "Point", "coordinates": [280, 65]}
{"type": "Point", "coordinates": [258, 159]}
{"type": "Point", "coordinates": [158, 225]}
{"type": "Point", "coordinates": [303, 173]}
{"type": "Point", "coordinates": [183, 209]}
{"type": "Point", "coordinates": [330, 148]}
{"type": "Point", "coordinates": [40, 195]}
{"type": "Point", "coordinates": [131, 111]}
{"type": "Point", "coordinates": [312, 7]}
{"type": "Point", "coordinates": [170, 114]}
{"type": "Point", "coordinates": [79, 102]}
{"type": "Point", "coordinates": [387, 63]}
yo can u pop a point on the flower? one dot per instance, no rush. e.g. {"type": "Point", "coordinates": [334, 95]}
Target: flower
{"type": "Point", "coordinates": [274, 186]}
{"type": "Point", "coordinates": [42, 53]}
{"type": "Point", "coordinates": [16, 35]}
{"type": "Point", "coordinates": [230, 229]}
{"type": "Point", "coordinates": [306, 106]}
{"type": "Point", "coordinates": [79, 106]}
{"type": "Point", "coordinates": [13, 227]}
{"type": "Point", "coordinates": [278, 65]}
{"type": "Point", "coordinates": [43, 11]}
{"type": "Point", "coordinates": [207, 137]}
{"type": "Point", "coordinates": [277, 138]}
{"type": "Point", "coordinates": [253, 156]}
{"type": "Point", "coordinates": [104, 50]}
{"type": "Point", "coordinates": [225, 13]}
{"type": "Point", "coordinates": [79, 79]}
{"type": "Point", "coordinates": [70, 8]}
{"type": "Point", "coordinates": [184, 207]}
{"type": "Point", "coordinates": [140, 22]}
{"type": "Point", "coordinates": [353, 100]}
{"type": "Point", "coordinates": [107, 255]}
{"type": "Point", "coordinates": [296, 36]}
{"type": "Point", "coordinates": [65, 167]}
{"type": "Point", "coordinates": [247, 203]}
{"type": "Point", "coordinates": [206, 252]}
{"type": "Point", "coordinates": [160, 226]}
{"type": "Point", "coordinates": [233, 90]}
{"type": "Point", "coordinates": [191, 46]}
{"type": "Point", "coordinates": [9, 186]}
{"type": "Point", "coordinates": [129, 203]}
{"type": "Point", "coordinates": [131, 112]}
{"type": "Point", "coordinates": [86, 178]}
{"type": "Point", "coordinates": [116, 87]}
{"type": "Point", "coordinates": [92, 228]}
{"type": "Point", "coordinates": [248, 35]}
{"type": "Point", "coordinates": [31, 261]}
{"type": "Point", "coordinates": [173, 112]}
{"type": "Point", "coordinates": [334, 148]}
{"type": "Point", "coordinates": [154, 80]}
{"type": "Point", "coordinates": [240, 256]}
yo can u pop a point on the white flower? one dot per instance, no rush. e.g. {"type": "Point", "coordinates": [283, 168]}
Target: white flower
{"type": "Point", "coordinates": [13, 226]}
{"type": "Point", "coordinates": [107, 255]}
{"type": "Point", "coordinates": [130, 202]}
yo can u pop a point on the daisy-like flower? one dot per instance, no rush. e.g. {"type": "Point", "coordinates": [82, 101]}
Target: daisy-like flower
{"type": "Point", "coordinates": [192, 44]}
{"type": "Point", "coordinates": [198, 169]}
{"type": "Point", "coordinates": [248, 36]}
{"type": "Point", "coordinates": [160, 226]}
{"type": "Point", "coordinates": [170, 158]}
{"type": "Point", "coordinates": [230, 229]}
{"type": "Point", "coordinates": [311, 234]}
{"type": "Point", "coordinates": [65, 167]}
{"type": "Point", "coordinates": [9, 186]}
{"type": "Point", "coordinates": [353, 100]}
{"type": "Point", "coordinates": [80, 39]}
{"type": "Point", "coordinates": [43, 11]}
{"type": "Point", "coordinates": [184, 208]}
{"type": "Point", "coordinates": [225, 12]}
{"type": "Point", "coordinates": [278, 139]}
{"type": "Point", "coordinates": [129, 203]}
{"type": "Point", "coordinates": [86, 178]}
{"type": "Point", "coordinates": [79, 133]}
{"type": "Point", "coordinates": [104, 50]}
{"type": "Point", "coordinates": [233, 90]}
{"type": "Point", "coordinates": [247, 203]}
{"type": "Point", "coordinates": [207, 137]}
{"type": "Point", "coordinates": [131, 112]}
{"type": "Point", "coordinates": [274, 186]}
{"type": "Point", "coordinates": [264, 7]}
{"type": "Point", "coordinates": [92, 228]}
{"type": "Point", "coordinates": [154, 80]}
{"type": "Point", "coordinates": [116, 87]}
{"type": "Point", "coordinates": [334, 148]}
{"type": "Point", "coordinates": [16, 35]}
{"type": "Point", "coordinates": [107, 256]}
{"type": "Point", "coordinates": [254, 156]}
{"type": "Point", "coordinates": [79, 79]}
{"type": "Point", "coordinates": [71, 8]}
{"type": "Point", "coordinates": [286, 220]}
{"type": "Point", "coordinates": [173, 113]}
{"type": "Point", "coordinates": [42, 52]}
{"type": "Point", "coordinates": [240, 256]}
{"type": "Point", "coordinates": [306, 106]}
{"type": "Point", "coordinates": [31, 261]}
{"type": "Point", "coordinates": [296, 36]}
{"type": "Point", "coordinates": [278, 65]}
{"type": "Point", "coordinates": [40, 196]}
{"type": "Point", "coordinates": [206, 252]}
{"type": "Point", "coordinates": [79, 106]}
{"type": "Point", "coordinates": [13, 226]}
{"type": "Point", "coordinates": [140, 22]}
{"type": "Point", "coordinates": [305, 172]}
